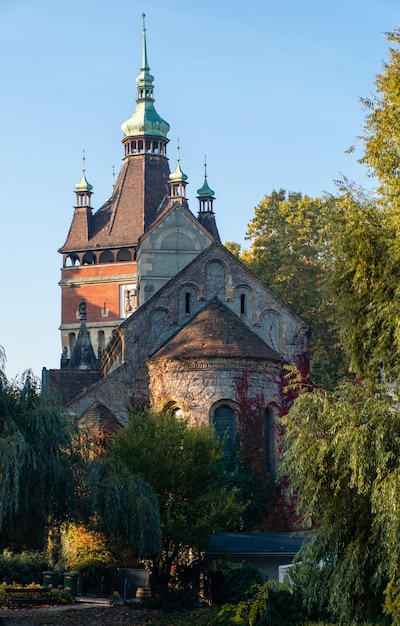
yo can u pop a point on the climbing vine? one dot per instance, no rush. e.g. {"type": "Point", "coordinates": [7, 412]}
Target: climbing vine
{"type": "Point", "coordinates": [270, 507]}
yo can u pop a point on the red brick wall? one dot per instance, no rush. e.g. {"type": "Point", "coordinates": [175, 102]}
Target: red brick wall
{"type": "Point", "coordinates": [96, 294]}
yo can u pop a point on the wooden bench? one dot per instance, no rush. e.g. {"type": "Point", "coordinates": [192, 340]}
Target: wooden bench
{"type": "Point", "coordinates": [26, 595]}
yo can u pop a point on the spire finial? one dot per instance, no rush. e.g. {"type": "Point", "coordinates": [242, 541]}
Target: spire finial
{"type": "Point", "coordinates": [83, 188]}
{"type": "Point", "coordinates": [113, 175]}
{"type": "Point", "coordinates": [145, 64]}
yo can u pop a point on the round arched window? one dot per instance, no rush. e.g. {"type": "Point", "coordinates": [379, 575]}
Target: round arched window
{"type": "Point", "coordinates": [224, 423]}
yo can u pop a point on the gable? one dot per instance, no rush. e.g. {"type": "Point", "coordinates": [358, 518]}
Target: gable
{"type": "Point", "coordinates": [214, 273]}
{"type": "Point", "coordinates": [169, 246]}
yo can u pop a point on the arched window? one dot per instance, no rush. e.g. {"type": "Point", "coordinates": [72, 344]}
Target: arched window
{"type": "Point", "coordinates": [187, 302]}
{"type": "Point", "coordinates": [107, 257]}
{"type": "Point", "coordinates": [123, 255]}
{"type": "Point", "coordinates": [101, 342]}
{"type": "Point", "coordinates": [71, 342]}
{"type": "Point", "coordinates": [242, 303]}
{"type": "Point", "coordinates": [89, 259]}
{"type": "Point", "coordinates": [269, 440]}
{"type": "Point", "coordinates": [224, 423]}
{"type": "Point", "coordinates": [71, 260]}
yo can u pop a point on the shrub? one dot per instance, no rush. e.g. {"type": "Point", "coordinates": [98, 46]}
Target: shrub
{"type": "Point", "coordinates": [169, 600]}
{"type": "Point", "coordinates": [271, 604]}
{"type": "Point", "coordinates": [230, 582]}
{"type": "Point", "coordinates": [23, 567]}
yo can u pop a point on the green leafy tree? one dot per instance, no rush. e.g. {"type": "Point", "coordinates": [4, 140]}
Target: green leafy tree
{"type": "Point", "coordinates": [288, 253]}
{"type": "Point", "coordinates": [364, 278]}
{"type": "Point", "coordinates": [342, 450]}
{"type": "Point", "coordinates": [122, 504]}
{"type": "Point", "coordinates": [365, 234]}
{"type": "Point", "coordinates": [184, 466]}
{"type": "Point", "coordinates": [382, 126]}
{"type": "Point", "coordinates": [36, 469]}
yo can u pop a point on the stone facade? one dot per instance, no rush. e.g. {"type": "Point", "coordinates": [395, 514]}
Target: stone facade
{"type": "Point", "coordinates": [192, 355]}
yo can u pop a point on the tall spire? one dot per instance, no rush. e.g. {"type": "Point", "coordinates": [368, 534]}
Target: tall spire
{"type": "Point", "coordinates": [145, 120]}
{"type": "Point", "coordinates": [145, 63]}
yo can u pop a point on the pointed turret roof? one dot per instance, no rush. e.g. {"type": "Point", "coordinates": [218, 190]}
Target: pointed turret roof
{"type": "Point", "coordinates": [83, 184]}
{"type": "Point", "coordinates": [206, 216]}
{"type": "Point", "coordinates": [83, 356]}
{"type": "Point", "coordinates": [145, 120]}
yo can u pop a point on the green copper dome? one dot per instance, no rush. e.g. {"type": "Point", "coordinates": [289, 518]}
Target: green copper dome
{"type": "Point", "coordinates": [178, 176]}
{"type": "Point", "coordinates": [83, 184]}
{"type": "Point", "coordinates": [205, 191]}
{"type": "Point", "coordinates": [145, 120]}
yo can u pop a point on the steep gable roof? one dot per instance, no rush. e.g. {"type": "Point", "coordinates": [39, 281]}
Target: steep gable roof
{"type": "Point", "coordinates": [167, 212]}
{"type": "Point", "coordinates": [215, 332]}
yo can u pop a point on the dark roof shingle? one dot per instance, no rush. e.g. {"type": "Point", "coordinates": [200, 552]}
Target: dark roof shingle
{"type": "Point", "coordinates": [216, 332]}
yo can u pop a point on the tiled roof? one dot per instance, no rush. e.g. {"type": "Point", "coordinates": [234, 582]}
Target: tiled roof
{"type": "Point", "coordinates": [70, 383]}
{"type": "Point", "coordinates": [99, 420]}
{"type": "Point", "coordinates": [216, 332]}
{"type": "Point", "coordinates": [137, 199]}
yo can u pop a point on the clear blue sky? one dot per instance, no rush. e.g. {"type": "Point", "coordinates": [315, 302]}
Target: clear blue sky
{"type": "Point", "coordinates": [267, 90]}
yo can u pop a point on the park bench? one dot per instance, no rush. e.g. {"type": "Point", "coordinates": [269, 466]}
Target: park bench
{"type": "Point", "coordinates": [25, 595]}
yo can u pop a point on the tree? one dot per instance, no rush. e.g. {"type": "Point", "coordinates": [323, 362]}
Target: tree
{"type": "Point", "coordinates": [382, 127]}
{"type": "Point", "coordinates": [184, 466]}
{"type": "Point", "coordinates": [363, 277]}
{"type": "Point", "coordinates": [36, 468]}
{"type": "Point", "coordinates": [288, 253]}
{"type": "Point", "coordinates": [342, 450]}
{"type": "Point", "coordinates": [365, 235]}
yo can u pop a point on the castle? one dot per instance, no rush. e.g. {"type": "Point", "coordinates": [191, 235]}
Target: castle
{"type": "Point", "coordinates": [154, 307]}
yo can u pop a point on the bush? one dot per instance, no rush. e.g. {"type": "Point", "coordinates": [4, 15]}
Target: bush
{"type": "Point", "coordinates": [230, 582]}
{"type": "Point", "coordinates": [170, 600]}
{"type": "Point", "coordinates": [23, 568]}
{"type": "Point", "coordinates": [271, 604]}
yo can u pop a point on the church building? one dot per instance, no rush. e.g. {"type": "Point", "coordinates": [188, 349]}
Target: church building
{"type": "Point", "coordinates": [154, 308]}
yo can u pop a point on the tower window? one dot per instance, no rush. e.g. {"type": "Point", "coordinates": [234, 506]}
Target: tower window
{"type": "Point", "coordinates": [89, 259]}
{"type": "Point", "coordinates": [187, 302]}
{"type": "Point", "coordinates": [242, 304]}
{"type": "Point", "coordinates": [107, 257]}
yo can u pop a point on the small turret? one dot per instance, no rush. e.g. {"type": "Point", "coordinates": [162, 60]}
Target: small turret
{"type": "Point", "coordinates": [178, 180]}
{"type": "Point", "coordinates": [206, 216]}
{"type": "Point", "coordinates": [83, 189]}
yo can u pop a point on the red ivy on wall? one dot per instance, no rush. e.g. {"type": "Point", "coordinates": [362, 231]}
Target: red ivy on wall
{"type": "Point", "coordinates": [280, 508]}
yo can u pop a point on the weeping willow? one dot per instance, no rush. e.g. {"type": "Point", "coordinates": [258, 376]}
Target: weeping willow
{"type": "Point", "coordinates": [123, 503]}
{"type": "Point", "coordinates": [36, 440]}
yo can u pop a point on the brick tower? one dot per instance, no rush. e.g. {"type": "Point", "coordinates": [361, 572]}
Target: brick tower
{"type": "Point", "coordinates": [99, 255]}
